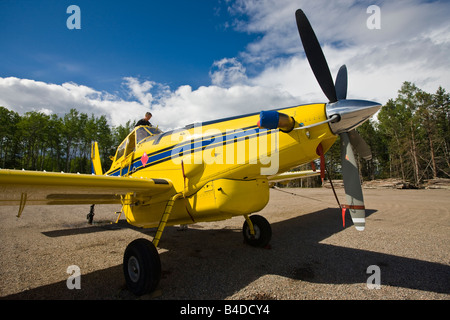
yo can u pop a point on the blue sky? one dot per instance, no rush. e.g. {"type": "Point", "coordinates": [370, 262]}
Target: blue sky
{"type": "Point", "coordinates": [199, 60]}
{"type": "Point", "coordinates": [171, 42]}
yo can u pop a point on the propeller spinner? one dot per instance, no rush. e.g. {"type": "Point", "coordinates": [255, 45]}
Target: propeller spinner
{"type": "Point", "coordinates": [347, 114]}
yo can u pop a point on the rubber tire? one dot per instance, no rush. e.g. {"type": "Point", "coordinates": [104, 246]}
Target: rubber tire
{"type": "Point", "coordinates": [263, 232]}
{"type": "Point", "coordinates": [142, 253]}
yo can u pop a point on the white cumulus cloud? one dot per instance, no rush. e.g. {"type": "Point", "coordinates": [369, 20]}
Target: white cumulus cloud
{"type": "Point", "coordinates": [412, 45]}
{"type": "Point", "coordinates": [22, 95]}
{"type": "Point", "coordinates": [170, 109]}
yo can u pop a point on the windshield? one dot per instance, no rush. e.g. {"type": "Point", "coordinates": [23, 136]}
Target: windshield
{"type": "Point", "coordinates": [154, 130]}
{"type": "Point", "coordinates": [143, 133]}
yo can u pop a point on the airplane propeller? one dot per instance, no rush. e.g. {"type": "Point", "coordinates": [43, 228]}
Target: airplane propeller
{"type": "Point", "coordinates": [351, 113]}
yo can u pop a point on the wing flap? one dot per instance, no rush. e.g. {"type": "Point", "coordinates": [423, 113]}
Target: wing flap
{"type": "Point", "coordinates": [36, 187]}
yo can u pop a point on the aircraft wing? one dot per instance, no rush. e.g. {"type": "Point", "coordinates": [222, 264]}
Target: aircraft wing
{"type": "Point", "coordinates": [293, 175]}
{"type": "Point", "coordinates": [33, 187]}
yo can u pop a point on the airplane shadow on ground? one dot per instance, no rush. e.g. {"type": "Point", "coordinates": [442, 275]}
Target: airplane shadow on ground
{"type": "Point", "coordinates": [214, 264]}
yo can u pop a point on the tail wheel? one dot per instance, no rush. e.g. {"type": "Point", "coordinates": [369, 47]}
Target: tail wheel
{"type": "Point", "coordinates": [141, 267]}
{"type": "Point", "coordinates": [263, 232]}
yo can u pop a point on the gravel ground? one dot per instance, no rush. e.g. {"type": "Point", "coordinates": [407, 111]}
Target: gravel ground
{"type": "Point", "coordinates": [311, 256]}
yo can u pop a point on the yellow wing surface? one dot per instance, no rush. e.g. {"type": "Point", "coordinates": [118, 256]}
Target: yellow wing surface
{"type": "Point", "coordinates": [34, 187]}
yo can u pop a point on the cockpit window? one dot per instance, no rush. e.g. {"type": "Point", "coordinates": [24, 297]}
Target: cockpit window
{"type": "Point", "coordinates": [121, 149]}
{"type": "Point", "coordinates": [146, 133]}
{"type": "Point", "coordinates": [154, 130]}
{"type": "Point", "coordinates": [141, 134]}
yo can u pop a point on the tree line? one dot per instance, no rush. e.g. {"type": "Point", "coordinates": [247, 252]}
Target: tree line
{"type": "Point", "coordinates": [410, 139]}
{"type": "Point", "coordinates": [37, 141]}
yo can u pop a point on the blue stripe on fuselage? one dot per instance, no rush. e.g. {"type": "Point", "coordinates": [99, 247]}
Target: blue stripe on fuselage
{"type": "Point", "coordinates": [186, 148]}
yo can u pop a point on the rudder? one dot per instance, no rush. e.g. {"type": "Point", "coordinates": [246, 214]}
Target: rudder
{"type": "Point", "coordinates": [95, 157]}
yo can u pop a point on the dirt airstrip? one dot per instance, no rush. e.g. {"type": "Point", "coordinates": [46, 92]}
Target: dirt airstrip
{"type": "Point", "coordinates": [311, 255]}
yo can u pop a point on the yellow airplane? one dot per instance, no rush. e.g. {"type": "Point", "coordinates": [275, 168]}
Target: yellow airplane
{"type": "Point", "coordinates": [210, 171]}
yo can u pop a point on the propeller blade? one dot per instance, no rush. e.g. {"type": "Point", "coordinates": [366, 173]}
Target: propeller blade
{"type": "Point", "coordinates": [352, 184]}
{"type": "Point", "coordinates": [341, 83]}
{"type": "Point", "coordinates": [360, 145]}
{"type": "Point", "coordinates": [315, 56]}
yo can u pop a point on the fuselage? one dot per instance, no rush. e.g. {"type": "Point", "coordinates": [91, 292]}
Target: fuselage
{"type": "Point", "coordinates": [220, 167]}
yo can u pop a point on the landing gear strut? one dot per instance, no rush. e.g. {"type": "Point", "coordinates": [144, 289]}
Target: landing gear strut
{"type": "Point", "coordinates": [90, 215]}
{"type": "Point", "coordinates": [141, 263]}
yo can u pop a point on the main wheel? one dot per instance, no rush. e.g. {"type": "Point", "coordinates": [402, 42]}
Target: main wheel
{"type": "Point", "coordinates": [263, 232]}
{"type": "Point", "coordinates": [141, 267]}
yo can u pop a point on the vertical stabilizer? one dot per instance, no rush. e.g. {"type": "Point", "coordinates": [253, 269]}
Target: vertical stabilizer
{"type": "Point", "coordinates": [95, 157]}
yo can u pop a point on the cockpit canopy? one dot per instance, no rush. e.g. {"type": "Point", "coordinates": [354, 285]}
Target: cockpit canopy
{"type": "Point", "coordinates": [144, 132]}
{"type": "Point", "coordinates": [138, 135]}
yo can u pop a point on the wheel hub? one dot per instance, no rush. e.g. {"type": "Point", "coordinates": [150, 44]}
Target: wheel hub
{"type": "Point", "coordinates": [253, 236]}
{"type": "Point", "coordinates": [133, 269]}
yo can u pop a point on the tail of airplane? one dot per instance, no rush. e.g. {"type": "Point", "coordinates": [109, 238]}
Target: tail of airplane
{"type": "Point", "coordinates": [95, 157]}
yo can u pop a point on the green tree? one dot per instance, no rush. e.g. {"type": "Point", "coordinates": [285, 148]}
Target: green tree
{"type": "Point", "coordinates": [55, 152]}
{"type": "Point", "coordinates": [105, 140]}
{"type": "Point", "coordinates": [9, 143]}
{"type": "Point", "coordinates": [36, 141]}
{"type": "Point", "coordinates": [33, 131]}
{"type": "Point", "coordinates": [71, 130]}
{"type": "Point", "coordinates": [415, 127]}
{"type": "Point", "coordinates": [440, 110]}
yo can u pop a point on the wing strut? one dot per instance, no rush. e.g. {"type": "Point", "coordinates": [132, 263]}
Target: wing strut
{"type": "Point", "coordinates": [23, 201]}
{"type": "Point", "coordinates": [165, 217]}
{"type": "Point", "coordinates": [90, 215]}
